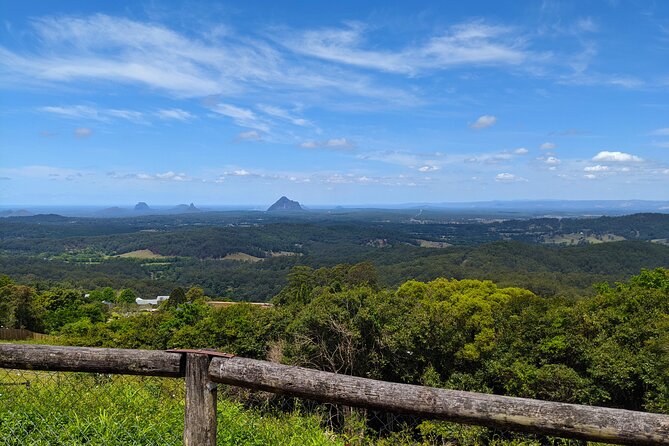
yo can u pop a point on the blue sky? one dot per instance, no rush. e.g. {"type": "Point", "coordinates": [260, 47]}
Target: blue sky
{"type": "Point", "coordinates": [333, 102]}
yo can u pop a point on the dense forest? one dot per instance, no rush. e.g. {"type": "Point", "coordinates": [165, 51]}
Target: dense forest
{"type": "Point", "coordinates": [247, 255]}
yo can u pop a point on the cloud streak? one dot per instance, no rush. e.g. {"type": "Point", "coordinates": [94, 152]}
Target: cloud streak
{"type": "Point", "coordinates": [474, 43]}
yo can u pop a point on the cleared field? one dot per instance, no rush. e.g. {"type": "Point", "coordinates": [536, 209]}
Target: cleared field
{"type": "Point", "coordinates": [242, 256]}
{"type": "Point", "coordinates": [431, 244]}
{"type": "Point", "coordinates": [141, 254]}
{"type": "Point", "coordinates": [574, 239]}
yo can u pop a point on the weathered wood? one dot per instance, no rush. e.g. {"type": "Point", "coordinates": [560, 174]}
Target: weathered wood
{"type": "Point", "coordinates": [200, 417]}
{"type": "Point", "coordinates": [86, 359]}
{"type": "Point", "coordinates": [521, 414]}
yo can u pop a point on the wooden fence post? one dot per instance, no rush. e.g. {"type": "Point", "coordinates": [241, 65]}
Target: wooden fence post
{"type": "Point", "coordinates": [200, 417]}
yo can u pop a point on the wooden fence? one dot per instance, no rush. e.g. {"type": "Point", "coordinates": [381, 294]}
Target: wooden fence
{"type": "Point", "coordinates": [20, 334]}
{"type": "Point", "coordinates": [204, 369]}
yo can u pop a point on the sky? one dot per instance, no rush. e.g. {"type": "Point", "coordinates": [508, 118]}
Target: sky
{"type": "Point", "coordinates": [346, 102]}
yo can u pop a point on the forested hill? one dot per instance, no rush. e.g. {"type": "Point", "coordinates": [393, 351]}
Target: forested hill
{"type": "Point", "coordinates": [246, 255]}
{"type": "Point", "coordinates": [546, 270]}
{"type": "Point", "coordinates": [211, 235]}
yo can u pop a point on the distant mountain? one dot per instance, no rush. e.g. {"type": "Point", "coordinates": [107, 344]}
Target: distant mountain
{"type": "Point", "coordinates": [16, 213]}
{"type": "Point", "coordinates": [142, 207]}
{"type": "Point", "coordinates": [285, 204]}
{"type": "Point", "coordinates": [184, 208]}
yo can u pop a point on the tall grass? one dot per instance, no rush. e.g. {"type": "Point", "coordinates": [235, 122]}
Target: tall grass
{"type": "Point", "coordinates": [91, 409]}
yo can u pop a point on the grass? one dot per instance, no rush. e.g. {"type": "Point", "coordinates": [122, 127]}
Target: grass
{"type": "Point", "coordinates": [431, 244]}
{"type": "Point", "coordinates": [141, 254]}
{"type": "Point", "coordinates": [242, 256]}
{"type": "Point", "coordinates": [574, 239]}
{"type": "Point", "coordinates": [72, 409]}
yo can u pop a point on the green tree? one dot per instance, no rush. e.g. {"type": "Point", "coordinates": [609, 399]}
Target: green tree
{"type": "Point", "coordinates": [177, 297]}
{"type": "Point", "coordinates": [126, 296]}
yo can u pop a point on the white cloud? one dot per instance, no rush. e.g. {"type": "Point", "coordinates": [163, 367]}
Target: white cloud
{"type": "Point", "coordinates": [411, 160]}
{"type": "Point", "coordinates": [310, 144]}
{"type": "Point", "coordinates": [590, 176]}
{"type": "Point", "coordinates": [251, 135]}
{"type": "Point", "coordinates": [243, 117]}
{"type": "Point", "coordinates": [75, 112]}
{"type": "Point", "coordinates": [332, 143]}
{"type": "Point", "coordinates": [43, 172]}
{"type": "Point", "coordinates": [621, 157]}
{"type": "Point", "coordinates": [521, 151]}
{"type": "Point", "coordinates": [428, 168]}
{"type": "Point", "coordinates": [283, 114]}
{"type": "Point", "coordinates": [339, 143]}
{"type": "Point", "coordinates": [82, 132]}
{"type": "Point", "coordinates": [104, 48]}
{"type": "Point", "coordinates": [474, 43]}
{"type": "Point", "coordinates": [166, 176]}
{"type": "Point", "coordinates": [241, 173]}
{"type": "Point", "coordinates": [129, 115]}
{"type": "Point", "coordinates": [171, 176]}
{"type": "Point", "coordinates": [660, 132]}
{"type": "Point", "coordinates": [175, 113]}
{"type": "Point", "coordinates": [483, 122]}
{"type": "Point", "coordinates": [92, 113]}
{"type": "Point", "coordinates": [494, 158]}
{"type": "Point", "coordinates": [597, 168]}
{"type": "Point", "coordinates": [547, 146]}
{"type": "Point", "coordinates": [508, 178]}
{"type": "Point", "coordinates": [552, 161]}
{"type": "Point", "coordinates": [586, 25]}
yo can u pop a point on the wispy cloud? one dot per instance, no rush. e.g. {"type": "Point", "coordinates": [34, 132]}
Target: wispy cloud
{"type": "Point", "coordinates": [547, 146]}
{"type": "Point", "coordinates": [251, 135]}
{"type": "Point", "coordinates": [87, 112]}
{"type": "Point", "coordinates": [175, 114]}
{"type": "Point", "coordinates": [82, 132]}
{"type": "Point", "coordinates": [165, 176]}
{"type": "Point", "coordinates": [342, 144]}
{"type": "Point", "coordinates": [660, 132]}
{"type": "Point", "coordinates": [115, 49]}
{"type": "Point", "coordinates": [411, 160]}
{"type": "Point", "coordinates": [490, 158]}
{"type": "Point", "coordinates": [474, 43]}
{"type": "Point", "coordinates": [243, 117]}
{"type": "Point", "coordinates": [281, 113]}
{"type": "Point", "coordinates": [597, 168]}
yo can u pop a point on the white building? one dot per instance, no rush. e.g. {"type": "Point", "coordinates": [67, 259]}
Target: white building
{"type": "Point", "coordinates": [155, 301]}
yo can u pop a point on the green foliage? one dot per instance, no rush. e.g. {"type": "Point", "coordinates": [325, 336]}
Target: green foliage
{"type": "Point", "coordinates": [177, 297]}
{"type": "Point", "coordinates": [126, 296]}
{"type": "Point", "coordinates": [607, 348]}
{"type": "Point", "coordinates": [18, 308]}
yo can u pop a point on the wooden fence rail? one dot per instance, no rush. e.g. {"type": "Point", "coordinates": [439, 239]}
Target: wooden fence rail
{"type": "Point", "coordinates": [203, 369]}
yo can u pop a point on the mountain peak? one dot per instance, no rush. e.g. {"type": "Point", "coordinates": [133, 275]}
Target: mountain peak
{"type": "Point", "coordinates": [285, 204]}
{"type": "Point", "coordinates": [142, 206]}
